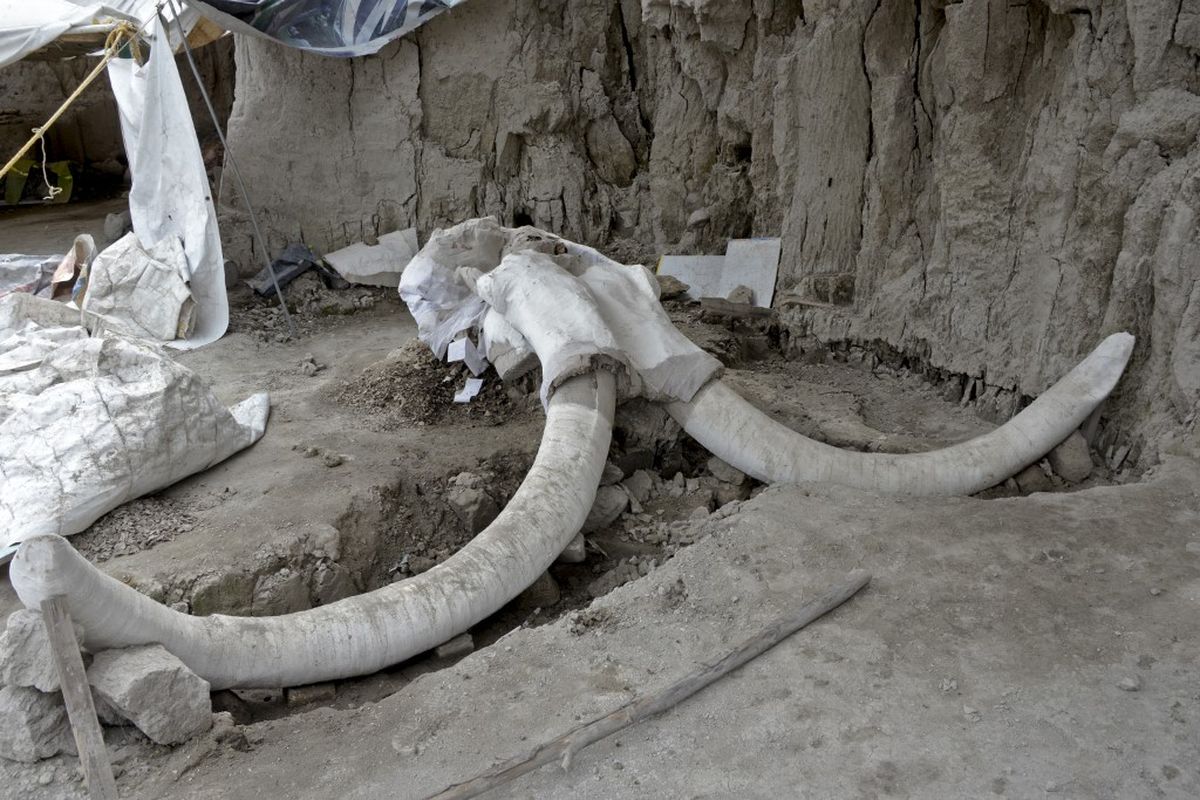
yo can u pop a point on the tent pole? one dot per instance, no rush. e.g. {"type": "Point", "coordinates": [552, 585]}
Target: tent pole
{"type": "Point", "coordinates": [237, 173]}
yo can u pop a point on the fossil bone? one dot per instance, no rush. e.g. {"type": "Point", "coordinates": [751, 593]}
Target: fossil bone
{"type": "Point", "coordinates": [362, 634]}
{"type": "Point", "coordinates": [599, 332]}
{"type": "Point", "coordinates": [728, 426]}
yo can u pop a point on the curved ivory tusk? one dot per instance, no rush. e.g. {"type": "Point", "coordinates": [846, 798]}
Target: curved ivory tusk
{"type": "Point", "coordinates": [362, 634]}
{"type": "Point", "coordinates": [721, 420]}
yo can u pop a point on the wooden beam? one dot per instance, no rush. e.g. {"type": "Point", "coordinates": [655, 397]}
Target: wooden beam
{"type": "Point", "coordinates": [563, 748]}
{"type": "Point", "coordinates": [81, 711]}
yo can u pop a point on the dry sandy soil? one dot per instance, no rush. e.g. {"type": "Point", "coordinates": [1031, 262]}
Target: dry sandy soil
{"type": "Point", "coordinates": [985, 659]}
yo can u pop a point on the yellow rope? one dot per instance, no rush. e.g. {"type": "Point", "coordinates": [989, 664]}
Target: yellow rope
{"type": "Point", "coordinates": [112, 45]}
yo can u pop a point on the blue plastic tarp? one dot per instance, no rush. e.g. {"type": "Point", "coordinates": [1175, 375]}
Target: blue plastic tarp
{"type": "Point", "coordinates": [331, 27]}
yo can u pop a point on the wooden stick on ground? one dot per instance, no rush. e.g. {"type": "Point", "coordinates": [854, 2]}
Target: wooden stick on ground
{"type": "Point", "coordinates": [564, 747]}
{"type": "Point", "coordinates": [89, 739]}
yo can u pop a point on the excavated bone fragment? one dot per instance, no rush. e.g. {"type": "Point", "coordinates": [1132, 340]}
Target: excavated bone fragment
{"type": "Point", "coordinates": [362, 634]}
{"type": "Point", "coordinates": [748, 439]}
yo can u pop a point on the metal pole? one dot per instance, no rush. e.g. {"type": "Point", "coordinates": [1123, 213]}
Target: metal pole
{"type": "Point", "coordinates": [237, 174]}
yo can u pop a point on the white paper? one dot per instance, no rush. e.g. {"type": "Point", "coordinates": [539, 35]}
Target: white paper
{"type": "Point", "coordinates": [471, 388]}
{"type": "Point", "coordinates": [464, 350]}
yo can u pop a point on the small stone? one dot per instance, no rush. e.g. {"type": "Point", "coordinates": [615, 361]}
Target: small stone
{"type": "Point", "coordinates": [948, 685]}
{"type": "Point", "coordinates": [670, 287]}
{"type": "Point", "coordinates": [575, 552]}
{"type": "Point", "coordinates": [698, 218]}
{"type": "Point", "coordinates": [333, 460]}
{"type": "Point", "coordinates": [312, 693]}
{"type": "Point", "coordinates": [226, 732]}
{"type": "Point", "coordinates": [610, 503]}
{"type": "Point", "coordinates": [25, 658]}
{"type": "Point", "coordinates": [1131, 683]}
{"type": "Point", "coordinates": [972, 714]}
{"type": "Point", "coordinates": [741, 294]}
{"type": "Point", "coordinates": [457, 647]}
{"type": "Point", "coordinates": [724, 472]}
{"type": "Point", "coordinates": [473, 506]}
{"type": "Point", "coordinates": [543, 593]}
{"type": "Point", "coordinates": [45, 778]}
{"type": "Point", "coordinates": [612, 474]}
{"type": "Point", "coordinates": [1033, 479]}
{"type": "Point", "coordinates": [154, 690]}
{"type": "Point", "coordinates": [728, 493]}
{"type": "Point", "coordinates": [639, 485]}
{"type": "Point", "coordinates": [33, 725]}
{"type": "Point", "coordinates": [1072, 460]}
{"type": "Point", "coordinates": [311, 452]}
{"type": "Point", "coordinates": [1156, 591]}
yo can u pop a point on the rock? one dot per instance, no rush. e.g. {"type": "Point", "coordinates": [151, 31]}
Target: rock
{"type": "Point", "coordinates": [25, 658]}
{"type": "Point", "coordinates": [670, 287]}
{"type": "Point", "coordinates": [457, 647]}
{"type": "Point", "coordinates": [117, 225]}
{"type": "Point", "coordinates": [1131, 683]}
{"type": "Point", "coordinates": [1033, 479]}
{"type": "Point", "coordinates": [645, 425]}
{"type": "Point", "coordinates": [312, 693]}
{"type": "Point", "coordinates": [623, 573]}
{"type": "Point", "coordinates": [154, 690]}
{"type": "Point", "coordinates": [33, 725]}
{"type": "Point", "coordinates": [333, 460]}
{"type": "Point", "coordinates": [612, 474]}
{"type": "Point", "coordinates": [699, 217]}
{"type": "Point", "coordinates": [107, 714]}
{"type": "Point", "coordinates": [610, 502]}
{"type": "Point", "coordinates": [1072, 460]}
{"type": "Point", "coordinates": [741, 294]}
{"type": "Point", "coordinates": [474, 507]}
{"type": "Point", "coordinates": [225, 731]}
{"type": "Point", "coordinates": [639, 485]}
{"type": "Point", "coordinates": [726, 473]}
{"type": "Point", "coordinates": [575, 552]}
{"type": "Point", "coordinates": [728, 493]}
{"type": "Point", "coordinates": [542, 593]}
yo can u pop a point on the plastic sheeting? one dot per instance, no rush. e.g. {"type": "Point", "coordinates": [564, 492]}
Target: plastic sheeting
{"type": "Point", "coordinates": [525, 291]}
{"type": "Point", "coordinates": [89, 423]}
{"type": "Point", "coordinates": [331, 27]}
{"type": "Point", "coordinates": [29, 25]}
{"type": "Point", "coordinates": [171, 197]}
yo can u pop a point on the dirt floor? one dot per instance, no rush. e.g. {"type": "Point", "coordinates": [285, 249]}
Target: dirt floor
{"type": "Point", "coordinates": [992, 655]}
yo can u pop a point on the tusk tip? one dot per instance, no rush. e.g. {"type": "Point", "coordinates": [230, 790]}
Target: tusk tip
{"type": "Point", "coordinates": [1118, 346]}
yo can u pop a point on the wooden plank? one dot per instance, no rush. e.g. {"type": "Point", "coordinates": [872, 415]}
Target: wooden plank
{"type": "Point", "coordinates": [89, 739]}
{"type": "Point", "coordinates": [564, 747]}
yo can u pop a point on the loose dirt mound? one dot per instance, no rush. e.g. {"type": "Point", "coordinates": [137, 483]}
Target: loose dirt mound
{"type": "Point", "coordinates": [411, 387]}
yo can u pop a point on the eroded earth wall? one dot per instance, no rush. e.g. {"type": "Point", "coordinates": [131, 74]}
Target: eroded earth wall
{"type": "Point", "coordinates": [984, 186]}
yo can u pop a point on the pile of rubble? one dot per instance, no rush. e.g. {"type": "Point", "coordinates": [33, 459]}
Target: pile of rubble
{"type": "Point", "coordinates": [145, 687]}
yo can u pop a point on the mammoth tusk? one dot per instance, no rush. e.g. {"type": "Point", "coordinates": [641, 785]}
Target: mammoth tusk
{"type": "Point", "coordinates": [362, 634]}
{"type": "Point", "coordinates": [728, 426]}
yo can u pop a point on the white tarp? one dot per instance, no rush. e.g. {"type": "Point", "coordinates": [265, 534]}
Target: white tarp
{"type": "Point", "coordinates": [376, 265]}
{"type": "Point", "coordinates": [171, 195]}
{"type": "Point", "coordinates": [29, 25]}
{"type": "Point", "coordinates": [142, 292]}
{"type": "Point", "coordinates": [89, 423]}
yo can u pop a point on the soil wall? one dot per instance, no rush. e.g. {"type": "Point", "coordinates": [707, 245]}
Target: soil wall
{"type": "Point", "coordinates": [986, 187]}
